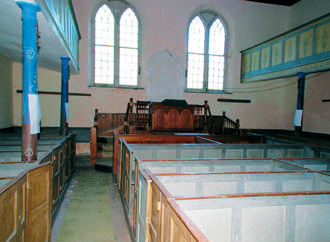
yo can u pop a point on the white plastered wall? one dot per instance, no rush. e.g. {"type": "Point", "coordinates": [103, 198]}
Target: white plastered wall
{"type": "Point", "coordinates": [164, 27]}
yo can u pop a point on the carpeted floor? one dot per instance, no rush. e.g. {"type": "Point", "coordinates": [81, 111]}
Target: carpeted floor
{"type": "Point", "coordinates": [88, 216]}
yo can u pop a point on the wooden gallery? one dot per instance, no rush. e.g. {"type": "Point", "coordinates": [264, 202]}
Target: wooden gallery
{"type": "Point", "coordinates": [154, 120]}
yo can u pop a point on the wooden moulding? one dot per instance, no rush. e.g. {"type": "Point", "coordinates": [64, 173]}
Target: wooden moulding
{"type": "Point", "coordinates": [172, 118]}
{"type": "Point", "coordinates": [13, 210]}
{"type": "Point", "coordinates": [128, 179]}
{"type": "Point", "coordinates": [45, 187]}
{"type": "Point", "coordinates": [168, 221]}
{"type": "Point", "coordinates": [186, 220]}
{"type": "Point", "coordinates": [39, 203]}
{"type": "Point", "coordinates": [127, 166]}
{"type": "Point", "coordinates": [63, 160]}
{"type": "Point", "coordinates": [125, 140]}
{"type": "Point", "coordinates": [145, 173]}
{"type": "Point", "coordinates": [169, 139]}
{"type": "Point", "coordinates": [26, 206]}
{"type": "Point", "coordinates": [105, 125]}
{"type": "Point", "coordinates": [121, 140]}
{"type": "Point", "coordinates": [93, 146]}
{"type": "Point", "coordinates": [307, 162]}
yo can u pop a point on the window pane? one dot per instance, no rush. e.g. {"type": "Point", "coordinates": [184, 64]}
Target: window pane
{"type": "Point", "coordinates": [196, 39]}
{"type": "Point", "coordinates": [195, 71]}
{"type": "Point", "coordinates": [104, 27]}
{"type": "Point", "coordinates": [104, 50]}
{"type": "Point", "coordinates": [129, 29]}
{"type": "Point", "coordinates": [216, 72]}
{"type": "Point", "coordinates": [128, 67]}
{"type": "Point", "coordinates": [128, 41]}
{"type": "Point", "coordinates": [104, 64]}
{"type": "Point", "coordinates": [217, 38]}
{"type": "Point", "coordinates": [196, 36]}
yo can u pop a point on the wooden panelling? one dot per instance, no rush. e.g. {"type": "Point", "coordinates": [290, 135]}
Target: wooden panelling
{"type": "Point", "coordinates": [165, 224]}
{"type": "Point", "coordinates": [13, 211]}
{"type": "Point", "coordinates": [156, 214]}
{"type": "Point", "coordinates": [302, 49]}
{"type": "Point", "coordinates": [171, 118]}
{"type": "Point", "coordinates": [43, 191]}
{"type": "Point", "coordinates": [39, 205]}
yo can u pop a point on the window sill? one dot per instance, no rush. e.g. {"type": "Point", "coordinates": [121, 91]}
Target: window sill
{"type": "Point", "coordinates": [208, 91]}
{"type": "Point", "coordinates": [117, 87]}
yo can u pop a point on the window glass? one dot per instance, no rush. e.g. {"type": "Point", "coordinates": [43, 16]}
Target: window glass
{"type": "Point", "coordinates": [216, 56]}
{"type": "Point", "coordinates": [196, 39]}
{"type": "Point", "coordinates": [206, 53]}
{"type": "Point", "coordinates": [104, 46]}
{"type": "Point", "coordinates": [128, 73]}
{"type": "Point", "coordinates": [115, 45]}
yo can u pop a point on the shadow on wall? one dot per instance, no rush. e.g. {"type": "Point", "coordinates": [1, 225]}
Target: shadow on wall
{"type": "Point", "coordinates": [165, 77]}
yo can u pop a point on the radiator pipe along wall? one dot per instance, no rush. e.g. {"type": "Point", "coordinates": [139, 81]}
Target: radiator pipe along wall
{"type": "Point", "coordinates": [65, 96]}
{"type": "Point", "coordinates": [30, 101]}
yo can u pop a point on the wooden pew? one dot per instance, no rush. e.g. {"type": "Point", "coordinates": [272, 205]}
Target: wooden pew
{"type": "Point", "coordinates": [105, 126]}
{"type": "Point", "coordinates": [26, 202]}
{"type": "Point", "coordinates": [209, 217]}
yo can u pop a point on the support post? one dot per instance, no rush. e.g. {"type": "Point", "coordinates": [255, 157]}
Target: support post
{"type": "Point", "coordinates": [298, 119]}
{"type": "Point", "coordinates": [30, 101]}
{"type": "Point", "coordinates": [65, 96]}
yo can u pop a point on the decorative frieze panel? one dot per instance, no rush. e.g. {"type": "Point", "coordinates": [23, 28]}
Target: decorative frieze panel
{"type": "Point", "coordinates": [303, 49]}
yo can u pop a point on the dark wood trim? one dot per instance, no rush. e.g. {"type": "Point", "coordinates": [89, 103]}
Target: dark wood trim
{"type": "Point", "coordinates": [59, 93]}
{"type": "Point", "coordinates": [305, 134]}
{"type": "Point", "coordinates": [226, 100]}
{"type": "Point", "coordinates": [277, 2]}
{"type": "Point", "coordinates": [8, 130]}
{"type": "Point", "coordinates": [270, 194]}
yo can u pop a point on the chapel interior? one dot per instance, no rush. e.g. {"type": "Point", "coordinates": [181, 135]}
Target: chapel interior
{"type": "Point", "coordinates": [153, 120]}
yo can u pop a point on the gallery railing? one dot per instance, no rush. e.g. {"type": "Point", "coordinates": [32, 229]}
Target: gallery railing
{"type": "Point", "coordinates": [61, 16]}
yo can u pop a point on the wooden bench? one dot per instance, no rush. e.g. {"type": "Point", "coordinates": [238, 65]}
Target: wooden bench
{"type": "Point", "coordinates": [105, 126]}
{"type": "Point", "coordinates": [25, 201]}
{"type": "Point", "coordinates": [59, 150]}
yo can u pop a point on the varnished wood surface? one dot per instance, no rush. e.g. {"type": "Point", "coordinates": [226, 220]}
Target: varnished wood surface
{"type": "Point", "coordinates": [172, 118]}
{"type": "Point", "coordinates": [46, 180]}
{"type": "Point", "coordinates": [13, 211]}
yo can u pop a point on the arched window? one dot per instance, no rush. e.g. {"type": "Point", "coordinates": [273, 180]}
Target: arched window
{"type": "Point", "coordinates": [206, 53]}
{"type": "Point", "coordinates": [114, 53]}
{"type": "Point", "coordinates": [104, 46]}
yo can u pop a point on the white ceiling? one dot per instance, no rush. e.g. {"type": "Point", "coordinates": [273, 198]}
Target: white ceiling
{"type": "Point", "coordinates": [11, 38]}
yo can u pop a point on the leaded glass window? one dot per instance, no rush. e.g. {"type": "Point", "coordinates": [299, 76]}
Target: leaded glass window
{"type": "Point", "coordinates": [206, 53]}
{"type": "Point", "coordinates": [115, 45]}
{"type": "Point", "coordinates": [104, 46]}
{"type": "Point", "coordinates": [196, 54]}
{"type": "Point", "coordinates": [128, 74]}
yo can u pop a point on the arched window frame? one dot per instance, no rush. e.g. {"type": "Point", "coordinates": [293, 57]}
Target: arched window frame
{"type": "Point", "coordinates": [117, 8]}
{"type": "Point", "coordinates": [207, 18]}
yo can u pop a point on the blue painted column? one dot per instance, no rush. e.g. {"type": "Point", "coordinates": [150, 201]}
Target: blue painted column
{"type": "Point", "coordinates": [30, 100]}
{"type": "Point", "coordinates": [65, 96]}
{"type": "Point", "coordinates": [298, 119]}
